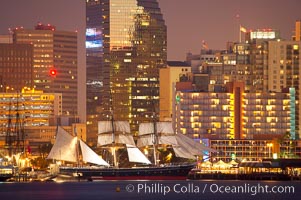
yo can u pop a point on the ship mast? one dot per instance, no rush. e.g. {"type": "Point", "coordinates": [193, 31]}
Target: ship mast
{"type": "Point", "coordinates": [19, 131]}
{"type": "Point", "coordinates": [155, 134]}
{"type": "Point", "coordinates": [155, 138]}
{"type": "Point", "coordinates": [15, 134]}
{"type": "Point", "coordinates": [113, 148]}
{"type": "Point", "coordinates": [8, 139]}
{"type": "Point", "coordinates": [77, 147]}
{"type": "Point", "coordinates": [113, 140]}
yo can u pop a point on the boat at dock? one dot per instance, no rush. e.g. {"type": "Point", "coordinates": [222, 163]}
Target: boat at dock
{"type": "Point", "coordinates": [115, 135]}
{"type": "Point", "coordinates": [6, 171]}
{"type": "Point", "coordinates": [267, 169]}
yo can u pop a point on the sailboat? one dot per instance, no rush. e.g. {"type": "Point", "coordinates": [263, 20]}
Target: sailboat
{"type": "Point", "coordinates": [115, 135]}
{"type": "Point", "coordinates": [66, 148]}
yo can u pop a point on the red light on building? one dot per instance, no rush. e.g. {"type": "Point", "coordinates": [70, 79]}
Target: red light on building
{"type": "Point", "coordinates": [52, 72]}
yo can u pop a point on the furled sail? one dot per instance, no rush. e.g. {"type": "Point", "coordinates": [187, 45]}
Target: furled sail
{"type": "Point", "coordinates": [187, 148]}
{"type": "Point", "coordinates": [182, 145]}
{"type": "Point", "coordinates": [183, 152]}
{"type": "Point", "coordinates": [90, 156]}
{"type": "Point", "coordinates": [197, 149]}
{"type": "Point", "coordinates": [165, 134]}
{"type": "Point", "coordinates": [119, 126]}
{"type": "Point", "coordinates": [64, 147]}
{"type": "Point", "coordinates": [135, 155]}
{"type": "Point", "coordinates": [122, 133]}
{"type": "Point", "coordinates": [162, 127]}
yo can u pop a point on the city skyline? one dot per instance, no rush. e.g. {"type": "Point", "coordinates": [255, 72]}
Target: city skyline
{"type": "Point", "coordinates": [214, 22]}
{"type": "Point", "coordinates": [121, 63]}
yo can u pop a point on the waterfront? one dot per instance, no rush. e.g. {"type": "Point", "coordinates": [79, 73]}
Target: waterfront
{"type": "Point", "coordinates": [132, 190]}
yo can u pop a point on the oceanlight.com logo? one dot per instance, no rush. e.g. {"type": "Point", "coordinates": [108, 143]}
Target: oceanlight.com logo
{"type": "Point", "coordinates": [194, 188]}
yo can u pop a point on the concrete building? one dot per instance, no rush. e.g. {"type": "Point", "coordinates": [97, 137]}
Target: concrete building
{"type": "Point", "coordinates": [258, 40]}
{"type": "Point", "coordinates": [54, 63]}
{"type": "Point", "coordinates": [34, 108]}
{"type": "Point", "coordinates": [35, 116]}
{"type": "Point", "coordinates": [22, 110]}
{"type": "Point", "coordinates": [283, 73]}
{"type": "Point", "coordinates": [232, 114]}
{"type": "Point", "coordinates": [174, 72]}
{"type": "Point", "coordinates": [255, 150]}
{"type": "Point", "coordinates": [6, 39]}
{"type": "Point", "coordinates": [297, 31]}
{"type": "Point", "coordinates": [16, 67]}
{"type": "Point", "coordinates": [265, 63]}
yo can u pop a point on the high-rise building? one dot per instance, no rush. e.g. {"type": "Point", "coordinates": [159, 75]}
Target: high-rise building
{"type": "Point", "coordinates": [94, 63]}
{"type": "Point", "coordinates": [16, 67]}
{"type": "Point", "coordinates": [258, 41]}
{"type": "Point", "coordinates": [284, 72]}
{"type": "Point", "coordinates": [297, 31]}
{"type": "Point", "coordinates": [174, 72]}
{"type": "Point", "coordinates": [126, 46]}
{"type": "Point", "coordinates": [54, 62]}
{"type": "Point", "coordinates": [233, 114]}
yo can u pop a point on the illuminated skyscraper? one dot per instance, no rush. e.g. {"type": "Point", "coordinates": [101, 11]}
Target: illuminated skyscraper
{"type": "Point", "coordinates": [54, 62]}
{"type": "Point", "coordinates": [126, 46]}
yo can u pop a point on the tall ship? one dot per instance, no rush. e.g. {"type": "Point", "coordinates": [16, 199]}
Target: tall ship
{"type": "Point", "coordinates": [115, 135]}
{"type": "Point", "coordinates": [14, 148]}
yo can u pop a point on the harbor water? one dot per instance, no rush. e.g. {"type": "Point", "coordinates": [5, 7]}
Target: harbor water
{"type": "Point", "coordinates": [147, 190]}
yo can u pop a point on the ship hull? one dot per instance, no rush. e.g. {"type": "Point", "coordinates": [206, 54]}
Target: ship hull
{"type": "Point", "coordinates": [174, 172]}
{"type": "Point", "coordinates": [5, 177]}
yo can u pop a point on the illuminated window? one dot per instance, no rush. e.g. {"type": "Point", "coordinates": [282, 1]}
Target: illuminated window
{"type": "Point", "coordinates": [296, 47]}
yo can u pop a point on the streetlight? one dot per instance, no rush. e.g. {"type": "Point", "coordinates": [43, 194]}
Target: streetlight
{"type": "Point", "coordinates": [270, 145]}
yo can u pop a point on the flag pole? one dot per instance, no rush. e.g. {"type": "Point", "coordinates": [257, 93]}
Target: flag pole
{"type": "Point", "coordinates": [237, 16]}
{"type": "Point", "coordinates": [239, 33]}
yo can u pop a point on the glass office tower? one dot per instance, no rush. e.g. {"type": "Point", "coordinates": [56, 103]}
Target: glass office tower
{"type": "Point", "coordinates": [126, 46]}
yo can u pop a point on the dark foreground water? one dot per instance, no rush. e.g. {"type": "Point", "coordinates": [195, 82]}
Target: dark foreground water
{"type": "Point", "coordinates": [145, 190]}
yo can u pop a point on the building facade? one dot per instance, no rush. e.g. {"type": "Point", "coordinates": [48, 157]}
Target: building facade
{"type": "Point", "coordinates": [174, 72]}
{"type": "Point", "coordinates": [284, 72]}
{"type": "Point", "coordinates": [128, 48]}
{"type": "Point", "coordinates": [297, 31]}
{"type": "Point", "coordinates": [22, 110]}
{"type": "Point", "coordinates": [34, 108]}
{"type": "Point", "coordinates": [264, 62]}
{"type": "Point", "coordinates": [232, 114]}
{"type": "Point", "coordinates": [54, 61]}
{"type": "Point", "coordinates": [16, 67]}
{"type": "Point", "coordinates": [255, 150]}
{"type": "Point", "coordinates": [94, 63]}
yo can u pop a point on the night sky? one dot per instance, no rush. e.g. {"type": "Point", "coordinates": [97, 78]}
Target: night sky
{"type": "Point", "coordinates": [188, 22]}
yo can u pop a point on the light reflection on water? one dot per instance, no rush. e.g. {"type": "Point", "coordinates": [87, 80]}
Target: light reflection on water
{"type": "Point", "coordinates": [132, 190]}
